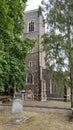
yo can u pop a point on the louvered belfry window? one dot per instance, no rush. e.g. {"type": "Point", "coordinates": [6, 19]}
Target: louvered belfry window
{"type": "Point", "coordinates": [31, 26]}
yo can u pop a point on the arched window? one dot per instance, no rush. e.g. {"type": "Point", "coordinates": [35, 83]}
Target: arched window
{"type": "Point", "coordinates": [31, 26]}
{"type": "Point", "coordinates": [30, 78]}
{"type": "Point", "coordinates": [53, 88]}
{"type": "Point", "coordinates": [30, 63]}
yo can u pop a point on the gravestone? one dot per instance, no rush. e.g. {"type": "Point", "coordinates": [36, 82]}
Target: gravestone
{"type": "Point", "coordinates": [17, 106]}
{"type": "Point", "coordinates": [29, 94]}
{"type": "Point", "coordinates": [17, 121]}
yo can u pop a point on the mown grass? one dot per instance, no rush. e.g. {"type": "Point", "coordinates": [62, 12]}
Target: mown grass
{"type": "Point", "coordinates": [37, 121]}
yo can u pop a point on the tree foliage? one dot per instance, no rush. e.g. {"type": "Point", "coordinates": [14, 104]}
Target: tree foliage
{"type": "Point", "coordinates": [58, 41]}
{"type": "Point", "coordinates": [13, 48]}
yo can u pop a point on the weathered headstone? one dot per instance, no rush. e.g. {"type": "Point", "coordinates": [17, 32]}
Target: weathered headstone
{"type": "Point", "coordinates": [17, 106]}
{"type": "Point", "coordinates": [19, 120]}
{"type": "Point", "coordinates": [29, 94]}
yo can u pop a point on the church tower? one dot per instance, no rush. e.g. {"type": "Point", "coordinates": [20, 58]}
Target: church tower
{"type": "Point", "coordinates": [37, 77]}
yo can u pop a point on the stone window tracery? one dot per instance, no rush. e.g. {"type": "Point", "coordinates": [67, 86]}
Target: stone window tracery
{"type": "Point", "coordinates": [31, 26]}
{"type": "Point", "coordinates": [30, 78]}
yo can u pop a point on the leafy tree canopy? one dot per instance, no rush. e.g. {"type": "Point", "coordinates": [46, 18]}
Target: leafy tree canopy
{"type": "Point", "coordinates": [58, 41]}
{"type": "Point", "coordinates": [13, 47]}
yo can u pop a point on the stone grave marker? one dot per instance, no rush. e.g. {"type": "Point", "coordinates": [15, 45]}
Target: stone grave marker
{"type": "Point", "coordinates": [17, 121]}
{"type": "Point", "coordinates": [17, 106]}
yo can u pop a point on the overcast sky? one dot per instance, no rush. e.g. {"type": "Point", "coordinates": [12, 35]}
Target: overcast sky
{"type": "Point", "coordinates": [33, 4]}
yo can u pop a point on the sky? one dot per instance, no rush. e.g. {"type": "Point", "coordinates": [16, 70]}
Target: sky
{"type": "Point", "coordinates": [33, 4]}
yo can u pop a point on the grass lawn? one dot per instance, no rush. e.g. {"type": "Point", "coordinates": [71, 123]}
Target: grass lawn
{"type": "Point", "coordinates": [38, 121]}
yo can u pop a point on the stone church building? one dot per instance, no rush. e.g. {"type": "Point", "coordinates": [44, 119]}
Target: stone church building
{"type": "Point", "coordinates": [38, 80]}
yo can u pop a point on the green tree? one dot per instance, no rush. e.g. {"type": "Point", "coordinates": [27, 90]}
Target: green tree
{"type": "Point", "coordinates": [58, 41]}
{"type": "Point", "coordinates": [13, 47]}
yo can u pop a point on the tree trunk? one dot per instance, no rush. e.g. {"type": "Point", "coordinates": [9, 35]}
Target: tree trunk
{"type": "Point", "coordinates": [71, 78]}
{"type": "Point", "coordinates": [65, 93]}
{"type": "Point", "coordinates": [72, 100]}
{"type": "Point", "coordinates": [14, 90]}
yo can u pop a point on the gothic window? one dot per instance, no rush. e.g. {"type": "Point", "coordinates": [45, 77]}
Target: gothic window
{"type": "Point", "coordinates": [30, 78]}
{"type": "Point", "coordinates": [31, 26]}
{"type": "Point", "coordinates": [53, 88]}
{"type": "Point", "coordinates": [30, 63]}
